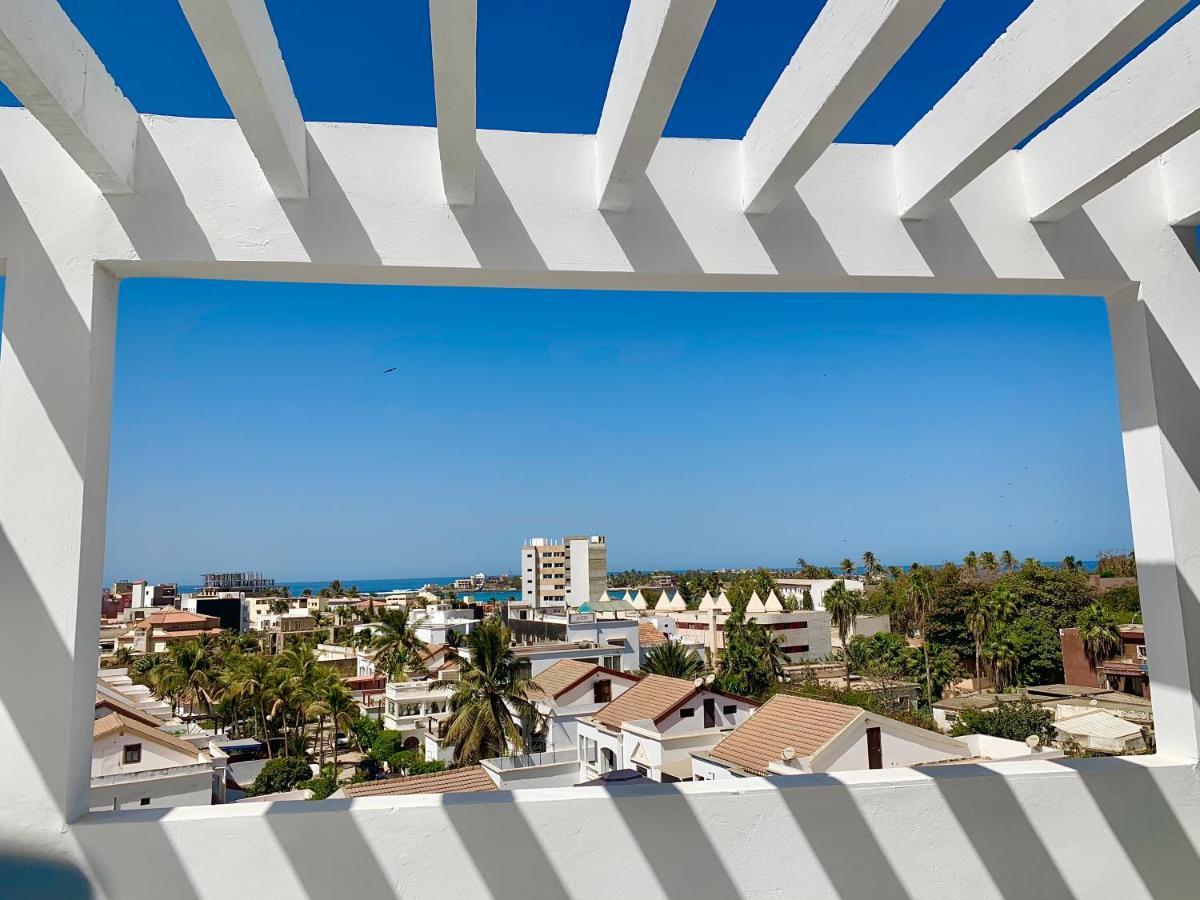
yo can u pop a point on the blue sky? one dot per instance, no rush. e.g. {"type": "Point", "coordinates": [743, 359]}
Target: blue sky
{"type": "Point", "coordinates": [254, 427]}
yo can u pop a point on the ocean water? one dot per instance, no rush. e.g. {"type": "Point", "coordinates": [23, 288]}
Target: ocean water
{"type": "Point", "coordinates": [383, 585]}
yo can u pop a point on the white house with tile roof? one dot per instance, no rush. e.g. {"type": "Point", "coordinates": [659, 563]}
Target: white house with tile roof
{"type": "Point", "coordinates": [655, 726]}
{"type": "Point", "coordinates": [795, 735]}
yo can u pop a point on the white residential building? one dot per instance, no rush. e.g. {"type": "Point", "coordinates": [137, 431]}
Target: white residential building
{"type": "Point", "coordinates": [655, 726]}
{"type": "Point", "coordinates": [568, 690]}
{"type": "Point", "coordinates": [805, 634]}
{"type": "Point", "coordinates": [570, 572]}
{"type": "Point", "coordinates": [794, 735]}
{"type": "Point", "coordinates": [411, 706]}
{"type": "Point", "coordinates": [794, 588]}
{"type": "Point", "coordinates": [136, 764]}
{"type": "Point", "coordinates": [435, 621]}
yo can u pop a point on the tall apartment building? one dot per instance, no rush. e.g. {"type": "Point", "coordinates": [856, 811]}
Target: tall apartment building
{"type": "Point", "coordinates": [570, 572]}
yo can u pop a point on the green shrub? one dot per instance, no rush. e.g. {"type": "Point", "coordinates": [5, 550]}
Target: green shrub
{"type": "Point", "coordinates": [386, 745]}
{"type": "Point", "coordinates": [281, 774]}
{"type": "Point", "coordinates": [321, 786]}
{"type": "Point", "coordinates": [1015, 721]}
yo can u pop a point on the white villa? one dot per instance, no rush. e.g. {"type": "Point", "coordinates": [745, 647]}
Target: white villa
{"type": "Point", "coordinates": [794, 588]}
{"type": "Point", "coordinates": [137, 761]}
{"type": "Point", "coordinates": [655, 726]}
{"type": "Point", "coordinates": [793, 735]}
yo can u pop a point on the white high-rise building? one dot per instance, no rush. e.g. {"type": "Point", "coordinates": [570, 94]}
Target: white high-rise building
{"type": "Point", "coordinates": [570, 572]}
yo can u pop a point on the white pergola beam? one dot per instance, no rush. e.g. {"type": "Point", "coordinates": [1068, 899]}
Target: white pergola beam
{"type": "Point", "coordinates": [452, 27]}
{"type": "Point", "coordinates": [1051, 53]}
{"type": "Point", "coordinates": [851, 46]}
{"type": "Point", "coordinates": [657, 45]}
{"type": "Point", "coordinates": [1180, 170]}
{"type": "Point", "coordinates": [239, 42]}
{"type": "Point", "coordinates": [56, 75]}
{"type": "Point", "coordinates": [1144, 110]}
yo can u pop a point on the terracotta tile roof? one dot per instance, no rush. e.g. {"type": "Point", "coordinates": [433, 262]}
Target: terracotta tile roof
{"type": "Point", "coordinates": [453, 781]}
{"type": "Point", "coordinates": [173, 617]}
{"type": "Point", "coordinates": [113, 705]}
{"type": "Point", "coordinates": [115, 723]}
{"type": "Point", "coordinates": [784, 721]}
{"type": "Point", "coordinates": [559, 677]}
{"type": "Point", "coordinates": [191, 633]}
{"type": "Point", "coordinates": [650, 698]}
{"type": "Point", "coordinates": [649, 636]}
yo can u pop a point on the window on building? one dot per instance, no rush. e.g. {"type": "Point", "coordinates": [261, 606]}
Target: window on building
{"type": "Point", "coordinates": [145, 801]}
{"type": "Point", "coordinates": [602, 691]}
{"type": "Point", "coordinates": [131, 753]}
{"type": "Point", "coordinates": [1141, 651]}
{"type": "Point", "coordinates": [687, 712]}
{"type": "Point", "coordinates": [729, 710]}
{"type": "Point", "coordinates": [612, 662]}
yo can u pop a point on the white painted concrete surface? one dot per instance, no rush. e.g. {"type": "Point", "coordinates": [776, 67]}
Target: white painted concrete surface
{"type": "Point", "coordinates": [1053, 50]}
{"type": "Point", "coordinates": [843, 57]}
{"type": "Point", "coordinates": [452, 25]}
{"type": "Point", "coordinates": [204, 209]}
{"type": "Point", "coordinates": [239, 42]}
{"type": "Point", "coordinates": [50, 68]}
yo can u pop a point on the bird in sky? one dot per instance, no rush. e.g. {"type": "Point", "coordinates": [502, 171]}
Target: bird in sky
{"type": "Point", "coordinates": [392, 369]}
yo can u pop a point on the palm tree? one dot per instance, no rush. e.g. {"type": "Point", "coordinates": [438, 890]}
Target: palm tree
{"type": "Point", "coordinates": [1003, 656]}
{"type": "Point", "coordinates": [342, 711]}
{"type": "Point", "coordinates": [1008, 561]}
{"type": "Point", "coordinates": [1100, 636]}
{"type": "Point", "coordinates": [987, 559]}
{"type": "Point", "coordinates": [919, 600]}
{"type": "Point", "coordinates": [971, 561]}
{"type": "Point", "coordinates": [674, 660]}
{"type": "Point", "coordinates": [870, 564]}
{"type": "Point", "coordinates": [489, 693]}
{"type": "Point", "coordinates": [184, 675]}
{"type": "Point", "coordinates": [847, 566]}
{"type": "Point", "coordinates": [123, 656]}
{"type": "Point", "coordinates": [396, 644]}
{"type": "Point", "coordinates": [249, 679]}
{"type": "Point", "coordinates": [1070, 564]}
{"type": "Point", "coordinates": [1004, 605]}
{"type": "Point", "coordinates": [843, 607]}
{"type": "Point", "coordinates": [980, 612]}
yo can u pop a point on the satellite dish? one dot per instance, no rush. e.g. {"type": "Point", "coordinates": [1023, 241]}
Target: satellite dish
{"type": "Point", "coordinates": [710, 678]}
{"type": "Point", "coordinates": [1033, 741]}
{"type": "Point", "coordinates": [699, 682]}
{"type": "Point", "coordinates": [789, 753]}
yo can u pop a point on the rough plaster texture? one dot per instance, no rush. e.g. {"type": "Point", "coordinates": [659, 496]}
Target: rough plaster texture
{"type": "Point", "coordinates": [205, 208]}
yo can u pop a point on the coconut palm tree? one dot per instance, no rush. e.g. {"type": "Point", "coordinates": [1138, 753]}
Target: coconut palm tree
{"type": "Point", "coordinates": [1004, 659]}
{"type": "Point", "coordinates": [342, 711]}
{"type": "Point", "coordinates": [1070, 564]}
{"type": "Point", "coordinates": [674, 660]}
{"type": "Point", "coordinates": [980, 612]}
{"type": "Point", "coordinates": [847, 567]}
{"type": "Point", "coordinates": [489, 693]}
{"type": "Point", "coordinates": [843, 608]}
{"type": "Point", "coordinates": [397, 647]}
{"type": "Point", "coordinates": [871, 564]}
{"type": "Point", "coordinates": [185, 675]}
{"type": "Point", "coordinates": [919, 599]}
{"type": "Point", "coordinates": [987, 560]}
{"type": "Point", "coordinates": [249, 679]}
{"type": "Point", "coordinates": [1100, 636]}
{"type": "Point", "coordinates": [1007, 561]}
{"type": "Point", "coordinates": [971, 561]}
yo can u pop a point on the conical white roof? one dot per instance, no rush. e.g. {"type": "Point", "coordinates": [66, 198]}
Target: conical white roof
{"type": "Point", "coordinates": [773, 604]}
{"type": "Point", "coordinates": [663, 604]}
{"type": "Point", "coordinates": [707, 602]}
{"type": "Point", "coordinates": [678, 604]}
{"type": "Point", "coordinates": [723, 604]}
{"type": "Point", "coordinates": [755, 605]}
{"type": "Point", "coordinates": [639, 602]}
{"type": "Point", "coordinates": [628, 598]}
